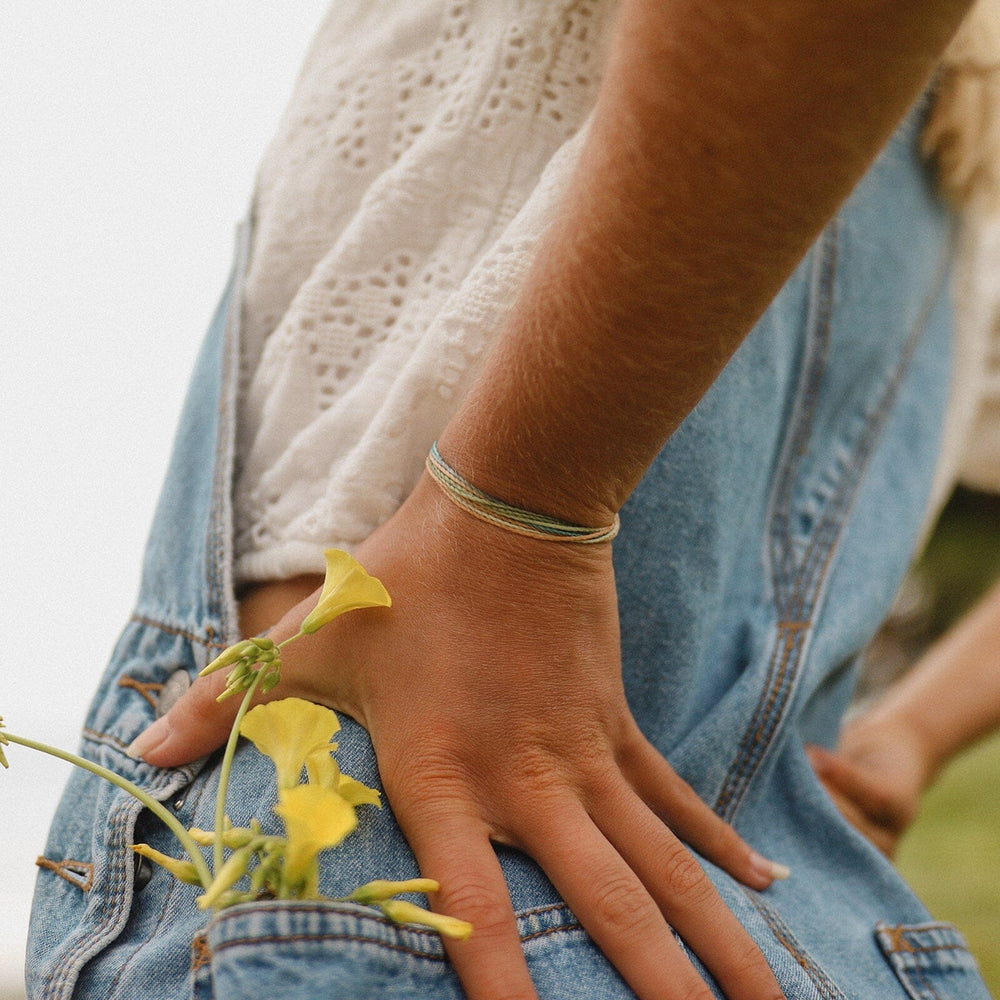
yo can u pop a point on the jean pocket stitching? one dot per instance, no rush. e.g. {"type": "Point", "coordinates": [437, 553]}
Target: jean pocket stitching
{"type": "Point", "coordinates": [917, 952]}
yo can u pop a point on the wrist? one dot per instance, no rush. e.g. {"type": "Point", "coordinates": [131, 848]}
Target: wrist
{"type": "Point", "coordinates": [517, 520]}
{"type": "Point", "coordinates": [530, 482]}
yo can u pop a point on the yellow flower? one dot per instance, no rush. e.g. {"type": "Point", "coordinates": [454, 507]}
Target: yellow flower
{"type": "Point", "coordinates": [288, 731]}
{"type": "Point", "coordinates": [184, 870]}
{"type": "Point", "coordinates": [347, 586]}
{"type": "Point", "coordinates": [315, 818]}
{"type": "Point", "coordinates": [401, 912]}
{"type": "Point", "coordinates": [324, 770]}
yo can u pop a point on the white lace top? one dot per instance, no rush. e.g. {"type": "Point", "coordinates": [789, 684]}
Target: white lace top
{"type": "Point", "coordinates": [424, 151]}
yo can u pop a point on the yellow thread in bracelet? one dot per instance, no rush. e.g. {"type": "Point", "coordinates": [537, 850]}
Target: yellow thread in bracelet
{"type": "Point", "coordinates": [522, 522]}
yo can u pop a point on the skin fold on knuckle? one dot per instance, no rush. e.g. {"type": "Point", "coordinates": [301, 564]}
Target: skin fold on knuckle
{"type": "Point", "coordinates": [685, 877]}
{"type": "Point", "coordinates": [619, 902]}
{"type": "Point", "coordinates": [482, 902]}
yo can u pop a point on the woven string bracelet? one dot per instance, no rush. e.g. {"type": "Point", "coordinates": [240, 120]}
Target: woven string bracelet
{"type": "Point", "coordinates": [523, 522]}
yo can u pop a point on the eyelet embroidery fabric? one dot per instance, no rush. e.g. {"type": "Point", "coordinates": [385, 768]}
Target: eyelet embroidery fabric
{"type": "Point", "coordinates": [424, 152]}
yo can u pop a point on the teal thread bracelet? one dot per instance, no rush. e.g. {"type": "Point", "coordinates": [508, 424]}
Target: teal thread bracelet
{"type": "Point", "coordinates": [523, 522]}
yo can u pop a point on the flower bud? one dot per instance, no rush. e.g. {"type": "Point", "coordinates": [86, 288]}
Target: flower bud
{"type": "Point", "coordinates": [382, 889]}
{"type": "Point", "coordinates": [230, 656]}
{"type": "Point", "coordinates": [401, 912]}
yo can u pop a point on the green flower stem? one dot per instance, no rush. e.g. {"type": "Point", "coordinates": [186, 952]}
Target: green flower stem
{"type": "Point", "coordinates": [227, 767]}
{"type": "Point", "coordinates": [135, 791]}
{"type": "Point", "coordinates": [227, 761]}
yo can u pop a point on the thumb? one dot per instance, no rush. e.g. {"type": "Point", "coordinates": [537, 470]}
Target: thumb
{"type": "Point", "coordinates": [196, 725]}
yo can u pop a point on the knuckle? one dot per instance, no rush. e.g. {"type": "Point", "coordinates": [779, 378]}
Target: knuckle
{"type": "Point", "coordinates": [536, 768]}
{"type": "Point", "coordinates": [430, 775]}
{"type": "Point", "coordinates": [620, 901]}
{"type": "Point", "coordinates": [481, 902]}
{"type": "Point", "coordinates": [684, 874]}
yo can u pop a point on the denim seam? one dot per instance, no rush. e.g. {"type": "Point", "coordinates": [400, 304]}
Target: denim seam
{"type": "Point", "coordinates": [174, 778]}
{"type": "Point", "coordinates": [926, 949]}
{"type": "Point", "coordinates": [111, 913]}
{"type": "Point", "coordinates": [201, 953]}
{"type": "Point", "coordinates": [777, 556]}
{"type": "Point", "coordinates": [96, 736]}
{"type": "Point", "coordinates": [902, 932]}
{"type": "Point", "coordinates": [220, 541]}
{"type": "Point", "coordinates": [806, 397]}
{"type": "Point", "coordinates": [926, 987]}
{"type": "Point", "coordinates": [254, 940]}
{"type": "Point", "coordinates": [167, 897]}
{"type": "Point", "coordinates": [173, 887]}
{"type": "Point", "coordinates": [783, 934]}
{"type": "Point", "coordinates": [755, 739]}
{"type": "Point", "coordinates": [571, 926]}
{"type": "Point", "coordinates": [813, 574]}
{"type": "Point", "coordinates": [319, 937]}
{"type": "Point", "coordinates": [208, 640]}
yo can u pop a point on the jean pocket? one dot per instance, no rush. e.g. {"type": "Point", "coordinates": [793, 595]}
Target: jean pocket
{"type": "Point", "coordinates": [932, 961]}
{"type": "Point", "coordinates": [339, 951]}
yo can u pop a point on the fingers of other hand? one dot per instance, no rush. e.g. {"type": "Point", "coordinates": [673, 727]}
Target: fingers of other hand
{"type": "Point", "coordinates": [679, 806]}
{"type": "Point", "coordinates": [862, 799]}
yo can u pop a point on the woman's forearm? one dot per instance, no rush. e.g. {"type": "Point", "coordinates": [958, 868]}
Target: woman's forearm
{"type": "Point", "coordinates": [725, 136]}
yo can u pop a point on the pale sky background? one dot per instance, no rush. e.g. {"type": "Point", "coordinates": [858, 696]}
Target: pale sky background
{"type": "Point", "coordinates": [129, 137]}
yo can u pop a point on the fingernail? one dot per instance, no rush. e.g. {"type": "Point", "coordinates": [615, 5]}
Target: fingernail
{"type": "Point", "coordinates": [149, 739]}
{"type": "Point", "coordinates": [769, 869]}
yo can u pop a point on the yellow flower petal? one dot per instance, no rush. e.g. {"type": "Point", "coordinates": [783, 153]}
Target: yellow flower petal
{"type": "Point", "coordinates": [357, 794]}
{"type": "Point", "coordinates": [288, 731]}
{"type": "Point", "coordinates": [347, 586]}
{"type": "Point", "coordinates": [323, 770]}
{"type": "Point", "coordinates": [315, 818]}
{"type": "Point", "coordinates": [402, 912]}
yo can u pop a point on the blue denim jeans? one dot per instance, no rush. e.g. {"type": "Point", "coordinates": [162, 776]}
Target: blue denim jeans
{"type": "Point", "coordinates": [756, 558]}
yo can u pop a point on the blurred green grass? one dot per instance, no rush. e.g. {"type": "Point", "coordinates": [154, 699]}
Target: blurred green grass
{"type": "Point", "coordinates": [951, 856]}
